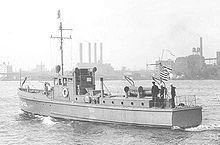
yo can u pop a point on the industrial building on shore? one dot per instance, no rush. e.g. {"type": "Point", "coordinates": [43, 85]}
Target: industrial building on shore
{"type": "Point", "coordinates": [195, 66]}
{"type": "Point", "coordinates": [103, 69]}
{"type": "Point", "coordinates": [5, 71]}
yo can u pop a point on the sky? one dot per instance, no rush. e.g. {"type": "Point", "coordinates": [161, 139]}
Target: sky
{"type": "Point", "coordinates": [133, 32]}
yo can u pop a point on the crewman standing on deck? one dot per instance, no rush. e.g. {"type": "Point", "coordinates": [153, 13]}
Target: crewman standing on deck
{"type": "Point", "coordinates": [162, 92]}
{"type": "Point", "coordinates": [154, 91]}
{"type": "Point", "coordinates": [173, 95]}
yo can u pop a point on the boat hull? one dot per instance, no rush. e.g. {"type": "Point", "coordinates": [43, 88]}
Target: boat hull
{"type": "Point", "coordinates": [153, 117]}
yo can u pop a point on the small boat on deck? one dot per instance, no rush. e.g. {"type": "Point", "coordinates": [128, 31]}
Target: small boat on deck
{"type": "Point", "coordinates": [74, 96]}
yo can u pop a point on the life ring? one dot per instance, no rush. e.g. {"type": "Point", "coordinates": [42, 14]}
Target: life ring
{"type": "Point", "coordinates": [87, 99]}
{"type": "Point", "coordinates": [65, 92]}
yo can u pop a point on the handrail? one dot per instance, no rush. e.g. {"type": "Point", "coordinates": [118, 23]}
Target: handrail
{"type": "Point", "coordinates": [180, 101]}
{"type": "Point", "coordinates": [186, 100]}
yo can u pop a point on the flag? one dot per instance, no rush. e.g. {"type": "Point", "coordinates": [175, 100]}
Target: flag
{"type": "Point", "coordinates": [156, 80]}
{"type": "Point", "coordinates": [24, 81]}
{"type": "Point", "coordinates": [164, 72]}
{"type": "Point", "coordinates": [58, 14]}
{"type": "Point", "coordinates": [129, 80]}
{"type": "Point", "coordinates": [170, 52]}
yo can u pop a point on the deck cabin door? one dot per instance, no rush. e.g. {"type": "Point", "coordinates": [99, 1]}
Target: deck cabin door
{"type": "Point", "coordinates": [64, 89]}
{"type": "Point", "coordinates": [61, 89]}
{"type": "Point", "coordinates": [56, 88]}
{"type": "Point", "coordinates": [70, 88]}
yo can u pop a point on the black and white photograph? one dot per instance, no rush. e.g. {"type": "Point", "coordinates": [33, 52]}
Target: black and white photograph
{"type": "Point", "coordinates": [110, 72]}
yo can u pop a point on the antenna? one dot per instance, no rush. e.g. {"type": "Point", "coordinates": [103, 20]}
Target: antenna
{"type": "Point", "coordinates": [61, 39]}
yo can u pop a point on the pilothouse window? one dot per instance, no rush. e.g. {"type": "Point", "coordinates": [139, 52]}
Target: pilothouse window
{"type": "Point", "coordinates": [89, 79]}
{"type": "Point", "coordinates": [64, 81]}
{"type": "Point", "coordinates": [70, 79]}
{"type": "Point", "coordinates": [56, 82]}
{"type": "Point", "coordinates": [60, 82]}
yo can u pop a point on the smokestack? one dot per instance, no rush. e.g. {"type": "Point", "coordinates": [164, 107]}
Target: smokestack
{"type": "Point", "coordinates": [95, 53]}
{"type": "Point", "coordinates": [101, 57]}
{"type": "Point", "coordinates": [201, 51]}
{"type": "Point", "coordinates": [89, 52]}
{"type": "Point", "coordinates": [80, 52]}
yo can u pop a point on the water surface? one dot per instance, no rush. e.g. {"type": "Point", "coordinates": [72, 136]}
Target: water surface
{"type": "Point", "coordinates": [19, 128]}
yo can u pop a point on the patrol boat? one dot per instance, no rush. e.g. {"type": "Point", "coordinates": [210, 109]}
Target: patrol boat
{"type": "Point", "coordinates": [74, 96]}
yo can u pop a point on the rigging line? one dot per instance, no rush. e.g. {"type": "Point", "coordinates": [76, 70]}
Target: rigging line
{"type": "Point", "coordinates": [167, 50]}
{"type": "Point", "coordinates": [50, 55]}
{"type": "Point", "coordinates": [71, 52]}
{"type": "Point", "coordinates": [106, 88]}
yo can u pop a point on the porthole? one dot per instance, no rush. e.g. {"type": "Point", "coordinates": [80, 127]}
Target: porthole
{"type": "Point", "coordinates": [142, 103]}
{"type": "Point", "coordinates": [122, 103]}
{"type": "Point", "coordinates": [103, 101]}
{"type": "Point", "coordinates": [112, 102]}
{"type": "Point", "coordinates": [132, 103]}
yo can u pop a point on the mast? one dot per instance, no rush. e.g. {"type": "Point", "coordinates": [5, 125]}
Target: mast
{"type": "Point", "coordinates": [61, 46]}
{"type": "Point", "coordinates": [61, 40]}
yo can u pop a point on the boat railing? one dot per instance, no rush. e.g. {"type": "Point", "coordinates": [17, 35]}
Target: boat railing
{"type": "Point", "coordinates": [185, 100]}
{"type": "Point", "coordinates": [31, 90]}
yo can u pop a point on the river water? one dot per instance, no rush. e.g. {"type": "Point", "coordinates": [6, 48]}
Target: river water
{"type": "Point", "coordinates": [19, 128]}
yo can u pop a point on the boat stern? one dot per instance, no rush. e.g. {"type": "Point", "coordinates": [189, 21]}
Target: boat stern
{"type": "Point", "coordinates": [187, 117]}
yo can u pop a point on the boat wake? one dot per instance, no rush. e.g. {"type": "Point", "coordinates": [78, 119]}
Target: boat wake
{"type": "Point", "coordinates": [37, 118]}
{"type": "Point", "coordinates": [22, 116]}
{"type": "Point", "coordinates": [46, 120]}
{"type": "Point", "coordinates": [208, 127]}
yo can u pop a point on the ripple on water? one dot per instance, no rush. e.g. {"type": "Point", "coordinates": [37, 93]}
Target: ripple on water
{"type": "Point", "coordinates": [203, 127]}
{"type": "Point", "coordinates": [16, 127]}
